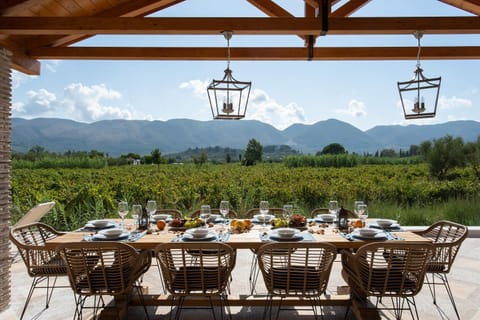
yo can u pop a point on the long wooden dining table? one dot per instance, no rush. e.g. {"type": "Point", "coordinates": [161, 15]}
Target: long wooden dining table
{"type": "Point", "coordinates": [247, 240]}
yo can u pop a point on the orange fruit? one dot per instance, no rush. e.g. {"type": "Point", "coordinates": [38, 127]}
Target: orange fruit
{"type": "Point", "coordinates": [161, 224]}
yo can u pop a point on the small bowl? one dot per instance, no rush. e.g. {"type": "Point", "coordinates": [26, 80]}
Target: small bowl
{"type": "Point", "coordinates": [112, 233]}
{"type": "Point", "coordinates": [367, 232]}
{"type": "Point", "coordinates": [327, 217]}
{"type": "Point", "coordinates": [261, 218]}
{"type": "Point", "coordinates": [164, 217]}
{"type": "Point", "coordinates": [286, 232]}
{"type": "Point", "coordinates": [198, 232]}
{"type": "Point", "coordinates": [385, 223]}
{"type": "Point", "coordinates": [99, 223]}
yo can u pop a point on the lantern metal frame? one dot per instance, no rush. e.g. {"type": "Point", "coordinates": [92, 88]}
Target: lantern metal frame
{"type": "Point", "coordinates": [417, 109]}
{"type": "Point", "coordinates": [228, 97]}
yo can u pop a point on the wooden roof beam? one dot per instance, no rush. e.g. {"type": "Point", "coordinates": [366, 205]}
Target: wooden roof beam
{"type": "Point", "coordinates": [472, 6]}
{"type": "Point", "coordinates": [254, 26]}
{"type": "Point", "coordinates": [256, 53]}
{"type": "Point", "coordinates": [349, 8]}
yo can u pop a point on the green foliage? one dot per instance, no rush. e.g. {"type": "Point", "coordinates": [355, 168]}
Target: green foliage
{"type": "Point", "coordinates": [85, 194]}
{"type": "Point", "coordinates": [253, 153]}
{"type": "Point", "coordinates": [344, 161]}
{"type": "Point", "coordinates": [445, 154]}
{"type": "Point", "coordinates": [333, 148]}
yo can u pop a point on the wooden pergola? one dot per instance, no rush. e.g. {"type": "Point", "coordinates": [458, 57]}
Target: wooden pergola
{"type": "Point", "coordinates": [33, 30]}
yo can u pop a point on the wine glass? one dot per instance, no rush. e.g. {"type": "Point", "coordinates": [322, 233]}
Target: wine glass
{"type": "Point", "coordinates": [363, 213]}
{"type": "Point", "coordinates": [224, 209]}
{"type": "Point", "coordinates": [151, 208]}
{"type": "Point", "coordinates": [287, 212]}
{"type": "Point", "coordinates": [355, 206]}
{"type": "Point", "coordinates": [263, 211]}
{"type": "Point", "coordinates": [333, 208]}
{"type": "Point", "coordinates": [136, 212]}
{"type": "Point", "coordinates": [205, 213]}
{"type": "Point", "coordinates": [123, 211]}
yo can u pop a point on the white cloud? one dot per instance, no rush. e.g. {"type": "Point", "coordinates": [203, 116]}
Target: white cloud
{"type": "Point", "coordinates": [264, 108]}
{"type": "Point", "coordinates": [80, 103]}
{"type": "Point", "coordinates": [355, 109]}
{"type": "Point", "coordinates": [198, 87]}
{"type": "Point", "coordinates": [453, 102]}
{"type": "Point", "coordinates": [19, 78]}
{"type": "Point", "coordinates": [51, 65]}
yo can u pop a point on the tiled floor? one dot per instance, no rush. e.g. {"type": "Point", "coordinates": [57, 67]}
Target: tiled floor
{"type": "Point", "coordinates": [464, 279]}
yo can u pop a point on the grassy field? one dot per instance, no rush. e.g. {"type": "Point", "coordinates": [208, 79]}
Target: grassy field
{"type": "Point", "coordinates": [404, 191]}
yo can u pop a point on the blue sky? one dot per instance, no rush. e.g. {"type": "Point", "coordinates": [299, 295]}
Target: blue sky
{"type": "Point", "coordinates": [363, 93]}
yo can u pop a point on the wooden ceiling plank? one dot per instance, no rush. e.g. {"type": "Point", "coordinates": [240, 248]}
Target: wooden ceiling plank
{"type": "Point", "coordinates": [137, 8]}
{"type": "Point", "coordinates": [255, 53]}
{"type": "Point", "coordinates": [349, 8]}
{"type": "Point", "coordinates": [7, 6]}
{"type": "Point", "coordinates": [472, 6]}
{"type": "Point", "coordinates": [264, 26]}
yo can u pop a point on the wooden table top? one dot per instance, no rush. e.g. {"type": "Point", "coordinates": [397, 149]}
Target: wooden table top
{"type": "Point", "coordinates": [246, 240]}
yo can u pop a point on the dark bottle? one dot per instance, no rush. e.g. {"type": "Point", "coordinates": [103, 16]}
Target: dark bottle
{"type": "Point", "coordinates": [342, 219]}
{"type": "Point", "coordinates": [143, 220]}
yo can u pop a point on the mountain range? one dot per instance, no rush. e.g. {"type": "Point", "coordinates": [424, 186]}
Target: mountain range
{"type": "Point", "coordinates": [116, 137]}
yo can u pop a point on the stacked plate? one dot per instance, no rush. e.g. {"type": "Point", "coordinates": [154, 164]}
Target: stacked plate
{"type": "Point", "coordinates": [369, 234]}
{"type": "Point", "coordinates": [199, 234]}
{"type": "Point", "coordinates": [111, 234]}
{"type": "Point", "coordinates": [325, 218]}
{"type": "Point", "coordinates": [286, 234]}
{"type": "Point", "coordinates": [260, 218]}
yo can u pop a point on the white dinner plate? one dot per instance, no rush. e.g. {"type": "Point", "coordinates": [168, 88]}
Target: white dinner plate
{"type": "Point", "coordinates": [276, 237]}
{"type": "Point", "coordinates": [102, 237]}
{"type": "Point", "coordinates": [377, 236]}
{"type": "Point", "coordinates": [189, 237]}
{"type": "Point", "coordinates": [91, 226]}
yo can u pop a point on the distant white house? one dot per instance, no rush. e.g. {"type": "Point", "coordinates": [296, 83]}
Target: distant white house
{"type": "Point", "coordinates": [136, 162]}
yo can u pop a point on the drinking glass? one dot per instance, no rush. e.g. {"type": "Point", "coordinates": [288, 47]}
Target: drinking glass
{"type": "Point", "coordinates": [287, 212]}
{"type": "Point", "coordinates": [363, 213]}
{"type": "Point", "coordinates": [333, 208]}
{"type": "Point", "coordinates": [355, 206]}
{"type": "Point", "coordinates": [151, 208]}
{"type": "Point", "coordinates": [224, 209]}
{"type": "Point", "coordinates": [205, 213]}
{"type": "Point", "coordinates": [123, 211]}
{"type": "Point", "coordinates": [263, 211]}
{"type": "Point", "coordinates": [136, 212]}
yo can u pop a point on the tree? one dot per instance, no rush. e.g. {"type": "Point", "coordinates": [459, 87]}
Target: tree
{"type": "Point", "coordinates": [253, 152]}
{"type": "Point", "coordinates": [472, 156]}
{"type": "Point", "coordinates": [156, 156]}
{"type": "Point", "coordinates": [332, 148]}
{"type": "Point", "coordinates": [443, 155]}
{"type": "Point", "coordinates": [388, 153]}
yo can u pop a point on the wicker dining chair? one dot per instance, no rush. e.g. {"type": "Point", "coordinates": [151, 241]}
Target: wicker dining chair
{"type": "Point", "coordinates": [447, 237]}
{"type": "Point", "coordinates": [387, 269]}
{"type": "Point", "coordinates": [296, 269]}
{"type": "Point", "coordinates": [42, 264]}
{"type": "Point", "coordinates": [103, 268]}
{"type": "Point", "coordinates": [206, 273]}
{"type": "Point", "coordinates": [254, 271]}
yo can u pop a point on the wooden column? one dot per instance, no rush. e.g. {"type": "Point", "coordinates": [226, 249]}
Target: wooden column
{"type": "Point", "coordinates": [5, 156]}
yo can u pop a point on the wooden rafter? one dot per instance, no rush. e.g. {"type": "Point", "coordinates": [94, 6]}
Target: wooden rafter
{"type": "Point", "coordinates": [257, 26]}
{"type": "Point", "coordinates": [472, 6]}
{"type": "Point", "coordinates": [349, 8]}
{"type": "Point", "coordinates": [255, 53]}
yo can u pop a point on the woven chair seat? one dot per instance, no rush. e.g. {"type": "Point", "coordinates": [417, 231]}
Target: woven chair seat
{"type": "Point", "coordinates": [191, 278]}
{"type": "Point", "coordinates": [54, 267]}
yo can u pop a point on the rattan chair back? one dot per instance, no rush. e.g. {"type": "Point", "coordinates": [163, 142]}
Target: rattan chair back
{"type": "Point", "coordinates": [173, 212]}
{"type": "Point", "coordinates": [277, 212]}
{"type": "Point", "coordinates": [232, 214]}
{"type": "Point", "coordinates": [296, 268]}
{"type": "Point", "coordinates": [195, 268]}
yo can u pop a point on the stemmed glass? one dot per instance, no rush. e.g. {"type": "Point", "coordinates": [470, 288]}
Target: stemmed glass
{"type": "Point", "coordinates": [287, 212]}
{"type": "Point", "coordinates": [136, 212]}
{"type": "Point", "coordinates": [362, 213]}
{"type": "Point", "coordinates": [355, 207]}
{"type": "Point", "coordinates": [205, 213]}
{"type": "Point", "coordinates": [333, 208]}
{"type": "Point", "coordinates": [123, 211]}
{"type": "Point", "coordinates": [151, 208]}
{"type": "Point", "coordinates": [263, 211]}
{"type": "Point", "coordinates": [224, 209]}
